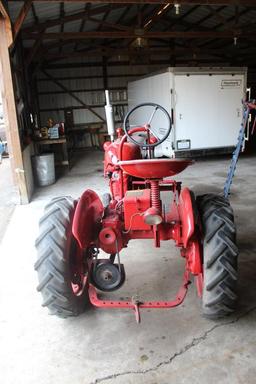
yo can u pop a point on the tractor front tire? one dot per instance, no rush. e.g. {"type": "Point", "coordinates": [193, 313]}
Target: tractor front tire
{"type": "Point", "coordinates": [55, 246]}
{"type": "Point", "coordinates": [219, 256]}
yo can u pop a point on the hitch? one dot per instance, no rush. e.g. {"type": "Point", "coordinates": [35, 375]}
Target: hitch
{"type": "Point", "coordinates": [135, 304]}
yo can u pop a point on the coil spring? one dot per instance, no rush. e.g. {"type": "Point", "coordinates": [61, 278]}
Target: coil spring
{"type": "Point", "coordinates": [155, 195]}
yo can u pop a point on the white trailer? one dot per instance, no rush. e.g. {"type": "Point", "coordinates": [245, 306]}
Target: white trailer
{"type": "Point", "coordinates": [205, 105]}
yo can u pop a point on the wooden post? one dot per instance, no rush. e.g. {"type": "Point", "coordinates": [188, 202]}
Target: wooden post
{"type": "Point", "coordinates": [7, 23]}
{"type": "Point", "coordinates": [11, 123]}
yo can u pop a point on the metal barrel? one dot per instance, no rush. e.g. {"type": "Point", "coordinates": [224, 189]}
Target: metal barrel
{"type": "Point", "coordinates": [44, 170]}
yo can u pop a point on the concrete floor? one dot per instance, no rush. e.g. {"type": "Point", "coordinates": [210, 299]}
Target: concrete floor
{"type": "Point", "coordinates": [8, 195]}
{"type": "Point", "coordinates": [107, 346]}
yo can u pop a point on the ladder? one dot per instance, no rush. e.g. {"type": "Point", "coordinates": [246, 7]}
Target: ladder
{"type": "Point", "coordinates": [236, 152]}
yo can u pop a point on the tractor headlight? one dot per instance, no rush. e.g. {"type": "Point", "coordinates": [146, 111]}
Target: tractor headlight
{"type": "Point", "coordinates": [152, 216]}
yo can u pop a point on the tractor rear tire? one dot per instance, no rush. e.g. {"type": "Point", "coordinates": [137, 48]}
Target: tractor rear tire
{"type": "Point", "coordinates": [219, 256]}
{"type": "Point", "coordinates": [55, 246]}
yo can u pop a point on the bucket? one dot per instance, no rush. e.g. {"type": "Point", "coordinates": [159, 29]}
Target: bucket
{"type": "Point", "coordinates": [44, 170]}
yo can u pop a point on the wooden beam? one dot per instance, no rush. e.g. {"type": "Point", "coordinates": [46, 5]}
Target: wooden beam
{"type": "Point", "coordinates": [83, 90]}
{"type": "Point", "coordinates": [131, 35]}
{"type": "Point", "coordinates": [127, 63]}
{"type": "Point", "coordinates": [181, 2]}
{"type": "Point", "coordinates": [110, 25]}
{"type": "Point", "coordinates": [117, 76]}
{"type": "Point", "coordinates": [3, 9]}
{"type": "Point", "coordinates": [4, 15]}
{"type": "Point", "coordinates": [21, 17]}
{"type": "Point", "coordinates": [33, 51]}
{"type": "Point", "coordinates": [83, 21]}
{"type": "Point", "coordinates": [77, 107]}
{"type": "Point", "coordinates": [66, 19]}
{"type": "Point", "coordinates": [11, 122]}
{"type": "Point", "coordinates": [219, 17]}
{"type": "Point", "coordinates": [131, 51]}
{"type": "Point", "coordinates": [72, 95]}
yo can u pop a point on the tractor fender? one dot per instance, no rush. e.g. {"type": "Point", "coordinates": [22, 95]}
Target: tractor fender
{"type": "Point", "coordinates": [186, 213]}
{"type": "Point", "coordinates": [87, 218]}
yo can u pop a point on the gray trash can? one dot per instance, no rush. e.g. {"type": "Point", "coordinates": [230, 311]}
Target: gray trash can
{"type": "Point", "coordinates": [44, 170]}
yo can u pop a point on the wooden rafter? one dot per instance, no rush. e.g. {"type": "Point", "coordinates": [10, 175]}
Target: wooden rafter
{"type": "Point", "coordinates": [33, 51]}
{"type": "Point", "coordinates": [82, 90]}
{"type": "Point", "coordinates": [185, 2]}
{"type": "Point", "coordinates": [170, 21]}
{"type": "Point", "coordinates": [217, 14]}
{"type": "Point", "coordinates": [21, 17]}
{"type": "Point", "coordinates": [103, 23]}
{"type": "Point", "coordinates": [227, 34]}
{"type": "Point", "coordinates": [83, 21]}
{"type": "Point", "coordinates": [110, 52]}
{"type": "Point", "coordinates": [84, 77]}
{"type": "Point", "coordinates": [118, 63]}
{"type": "Point", "coordinates": [131, 21]}
{"type": "Point", "coordinates": [230, 20]}
{"type": "Point", "coordinates": [76, 16]}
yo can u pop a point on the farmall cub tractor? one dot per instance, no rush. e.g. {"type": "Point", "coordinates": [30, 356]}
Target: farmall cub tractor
{"type": "Point", "coordinates": [73, 233]}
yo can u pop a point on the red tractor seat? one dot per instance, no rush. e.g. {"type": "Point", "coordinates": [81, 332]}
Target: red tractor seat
{"type": "Point", "coordinates": [154, 168]}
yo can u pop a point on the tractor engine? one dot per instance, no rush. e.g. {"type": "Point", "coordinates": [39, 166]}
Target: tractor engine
{"type": "Point", "coordinates": [118, 181]}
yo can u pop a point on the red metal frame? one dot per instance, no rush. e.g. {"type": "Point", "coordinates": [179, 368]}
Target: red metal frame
{"type": "Point", "coordinates": [133, 198]}
{"type": "Point", "coordinates": [136, 304]}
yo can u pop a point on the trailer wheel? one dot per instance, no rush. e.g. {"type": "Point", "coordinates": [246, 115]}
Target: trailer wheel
{"type": "Point", "coordinates": [64, 294]}
{"type": "Point", "coordinates": [219, 256]}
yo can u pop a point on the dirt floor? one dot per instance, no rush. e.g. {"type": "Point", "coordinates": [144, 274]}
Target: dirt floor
{"type": "Point", "coordinates": [107, 346]}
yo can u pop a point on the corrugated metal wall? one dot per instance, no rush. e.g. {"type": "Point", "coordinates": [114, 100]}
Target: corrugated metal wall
{"type": "Point", "coordinates": [52, 104]}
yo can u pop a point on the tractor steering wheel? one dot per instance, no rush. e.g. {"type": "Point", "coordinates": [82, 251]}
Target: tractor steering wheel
{"type": "Point", "coordinates": [146, 127]}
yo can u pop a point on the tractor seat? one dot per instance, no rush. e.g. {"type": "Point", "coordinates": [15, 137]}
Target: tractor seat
{"type": "Point", "coordinates": [154, 168]}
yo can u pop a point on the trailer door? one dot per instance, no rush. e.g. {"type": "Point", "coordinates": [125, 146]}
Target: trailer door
{"type": "Point", "coordinates": [208, 110]}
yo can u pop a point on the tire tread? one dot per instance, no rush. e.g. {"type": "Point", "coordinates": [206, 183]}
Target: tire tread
{"type": "Point", "coordinates": [52, 267]}
{"type": "Point", "coordinates": [220, 256]}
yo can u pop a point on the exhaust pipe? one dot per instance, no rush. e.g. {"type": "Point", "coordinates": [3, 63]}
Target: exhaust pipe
{"type": "Point", "coordinates": [109, 117]}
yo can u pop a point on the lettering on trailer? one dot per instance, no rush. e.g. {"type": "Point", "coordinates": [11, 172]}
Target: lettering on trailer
{"type": "Point", "coordinates": [236, 83]}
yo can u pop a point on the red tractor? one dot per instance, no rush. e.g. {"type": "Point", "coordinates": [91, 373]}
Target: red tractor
{"type": "Point", "coordinates": [145, 202]}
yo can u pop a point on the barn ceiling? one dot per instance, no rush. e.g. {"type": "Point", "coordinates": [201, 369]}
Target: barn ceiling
{"type": "Point", "coordinates": [178, 32]}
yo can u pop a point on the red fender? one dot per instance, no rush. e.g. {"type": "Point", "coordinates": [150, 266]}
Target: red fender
{"type": "Point", "coordinates": [87, 218]}
{"type": "Point", "coordinates": [189, 237]}
{"type": "Point", "coordinates": [186, 216]}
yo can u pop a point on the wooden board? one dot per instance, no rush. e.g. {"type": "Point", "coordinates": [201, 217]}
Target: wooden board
{"type": "Point", "coordinates": [11, 123]}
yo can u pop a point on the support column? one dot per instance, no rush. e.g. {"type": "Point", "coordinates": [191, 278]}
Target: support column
{"type": "Point", "coordinates": [10, 116]}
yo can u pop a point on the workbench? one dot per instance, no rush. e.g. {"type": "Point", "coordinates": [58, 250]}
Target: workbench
{"type": "Point", "coordinates": [59, 148]}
